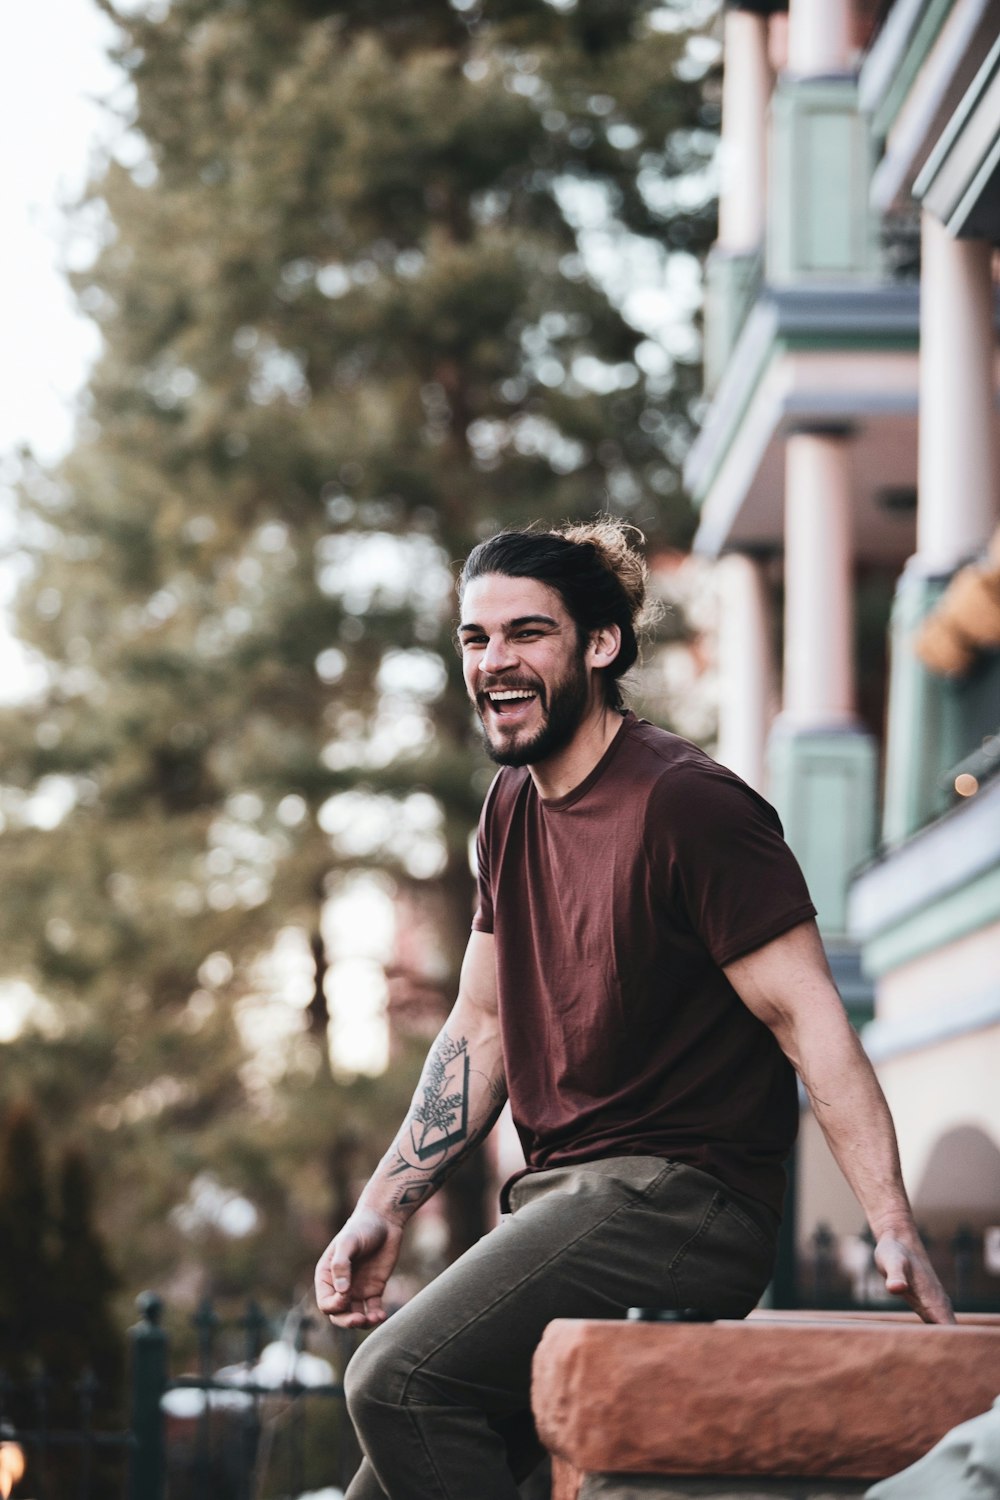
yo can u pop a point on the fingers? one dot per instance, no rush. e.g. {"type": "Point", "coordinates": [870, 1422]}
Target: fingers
{"type": "Point", "coordinates": [909, 1274]}
{"type": "Point", "coordinates": [356, 1312]}
{"type": "Point", "coordinates": [895, 1267]}
{"type": "Point", "coordinates": [366, 1312]}
{"type": "Point", "coordinates": [929, 1298]}
{"type": "Point", "coordinates": [343, 1250]}
{"type": "Point", "coordinates": [341, 1290]}
{"type": "Point", "coordinates": [333, 1276]}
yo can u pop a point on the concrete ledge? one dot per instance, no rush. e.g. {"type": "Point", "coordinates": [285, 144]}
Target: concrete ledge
{"type": "Point", "coordinates": [795, 1397]}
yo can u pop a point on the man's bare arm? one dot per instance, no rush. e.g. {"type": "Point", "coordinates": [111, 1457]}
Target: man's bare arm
{"type": "Point", "coordinates": [788, 985]}
{"type": "Point", "coordinates": [460, 1094]}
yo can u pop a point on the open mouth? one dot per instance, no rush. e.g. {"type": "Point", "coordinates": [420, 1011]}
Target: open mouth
{"type": "Point", "coordinates": [510, 704]}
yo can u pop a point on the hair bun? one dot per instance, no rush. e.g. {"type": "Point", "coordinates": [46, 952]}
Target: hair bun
{"type": "Point", "coordinates": [617, 543]}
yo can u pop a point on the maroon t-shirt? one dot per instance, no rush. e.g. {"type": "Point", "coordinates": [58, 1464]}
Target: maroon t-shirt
{"type": "Point", "coordinates": [613, 909]}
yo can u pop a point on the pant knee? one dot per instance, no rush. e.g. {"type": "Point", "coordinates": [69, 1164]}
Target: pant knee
{"type": "Point", "coordinates": [375, 1377]}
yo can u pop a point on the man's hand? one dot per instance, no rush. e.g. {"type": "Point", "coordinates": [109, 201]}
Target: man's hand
{"type": "Point", "coordinates": [354, 1268]}
{"type": "Point", "coordinates": [458, 1098]}
{"type": "Point", "coordinates": [908, 1273]}
{"type": "Point", "coordinates": [787, 985]}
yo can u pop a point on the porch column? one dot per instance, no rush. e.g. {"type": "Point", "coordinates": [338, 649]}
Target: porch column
{"type": "Point", "coordinates": [822, 761]}
{"type": "Point", "coordinates": [819, 655]}
{"type": "Point", "coordinates": [746, 89]}
{"type": "Point", "coordinates": [957, 510]}
{"type": "Point", "coordinates": [957, 487]}
{"type": "Point", "coordinates": [746, 674]}
{"type": "Point", "coordinates": [819, 37]}
{"type": "Point", "coordinates": [733, 266]}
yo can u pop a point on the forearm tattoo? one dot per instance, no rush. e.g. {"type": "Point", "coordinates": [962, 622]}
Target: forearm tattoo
{"type": "Point", "coordinates": [437, 1134]}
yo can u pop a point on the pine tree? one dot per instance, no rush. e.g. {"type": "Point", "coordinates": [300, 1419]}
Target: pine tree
{"type": "Point", "coordinates": [83, 1330]}
{"type": "Point", "coordinates": [348, 330]}
{"type": "Point", "coordinates": [25, 1243]}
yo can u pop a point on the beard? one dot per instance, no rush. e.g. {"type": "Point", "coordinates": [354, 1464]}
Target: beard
{"type": "Point", "coordinates": [563, 711]}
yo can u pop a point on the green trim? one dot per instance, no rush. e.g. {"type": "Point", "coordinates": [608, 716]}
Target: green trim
{"type": "Point", "coordinates": [962, 911]}
{"type": "Point", "coordinates": [848, 342]}
{"type": "Point", "coordinates": [732, 286]}
{"type": "Point", "coordinates": [820, 226]}
{"type": "Point", "coordinates": [753, 379]}
{"type": "Point", "coordinates": [823, 784]}
{"type": "Point", "coordinates": [839, 341]}
{"type": "Point", "coordinates": [916, 741]}
{"type": "Point", "coordinates": [923, 39]}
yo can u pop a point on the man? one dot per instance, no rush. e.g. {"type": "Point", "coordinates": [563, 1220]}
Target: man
{"type": "Point", "coordinates": [642, 973]}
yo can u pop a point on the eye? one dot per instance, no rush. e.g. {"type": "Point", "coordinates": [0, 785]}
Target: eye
{"type": "Point", "coordinates": [470, 641]}
{"type": "Point", "coordinates": [529, 634]}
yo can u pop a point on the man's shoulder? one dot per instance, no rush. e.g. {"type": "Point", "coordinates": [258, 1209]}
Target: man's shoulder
{"type": "Point", "coordinates": [684, 779]}
{"type": "Point", "coordinates": [655, 754]}
{"type": "Point", "coordinates": [504, 789]}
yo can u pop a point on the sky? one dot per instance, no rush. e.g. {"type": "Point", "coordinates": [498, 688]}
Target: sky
{"type": "Point", "coordinates": [53, 70]}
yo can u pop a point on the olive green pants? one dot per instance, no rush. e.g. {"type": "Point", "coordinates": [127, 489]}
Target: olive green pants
{"type": "Point", "coordinates": [440, 1394]}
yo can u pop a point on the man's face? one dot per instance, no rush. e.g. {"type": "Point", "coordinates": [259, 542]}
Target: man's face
{"type": "Point", "coordinates": [524, 666]}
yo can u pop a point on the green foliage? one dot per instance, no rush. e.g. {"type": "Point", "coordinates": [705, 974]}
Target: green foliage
{"type": "Point", "coordinates": [348, 329]}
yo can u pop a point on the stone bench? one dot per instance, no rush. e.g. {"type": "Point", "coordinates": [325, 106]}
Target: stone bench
{"type": "Point", "coordinates": [797, 1404]}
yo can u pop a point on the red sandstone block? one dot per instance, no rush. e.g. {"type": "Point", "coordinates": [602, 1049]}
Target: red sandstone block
{"type": "Point", "coordinates": [850, 1399]}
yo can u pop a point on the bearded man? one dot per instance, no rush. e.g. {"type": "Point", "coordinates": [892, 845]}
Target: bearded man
{"type": "Point", "coordinates": [643, 980]}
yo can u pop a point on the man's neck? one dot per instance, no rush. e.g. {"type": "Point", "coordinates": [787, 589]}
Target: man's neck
{"type": "Point", "coordinates": [560, 774]}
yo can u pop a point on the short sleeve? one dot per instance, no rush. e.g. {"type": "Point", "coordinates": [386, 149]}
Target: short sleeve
{"type": "Point", "coordinates": [719, 849]}
{"type": "Point", "coordinates": [483, 919]}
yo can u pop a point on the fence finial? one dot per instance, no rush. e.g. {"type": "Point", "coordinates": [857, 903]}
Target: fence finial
{"type": "Point", "coordinates": [149, 1381]}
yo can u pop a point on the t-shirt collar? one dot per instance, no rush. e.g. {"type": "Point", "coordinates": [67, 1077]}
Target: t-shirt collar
{"type": "Point", "coordinates": [558, 804]}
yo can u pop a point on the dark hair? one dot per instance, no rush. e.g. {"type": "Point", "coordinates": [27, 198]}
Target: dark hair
{"type": "Point", "coordinates": [596, 570]}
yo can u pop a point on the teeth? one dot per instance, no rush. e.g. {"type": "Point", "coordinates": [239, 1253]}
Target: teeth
{"type": "Point", "coordinates": [507, 697]}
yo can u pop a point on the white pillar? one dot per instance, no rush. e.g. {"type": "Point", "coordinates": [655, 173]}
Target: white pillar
{"type": "Point", "coordinates": [746, 89]}
{"type": "Point", "coordinates": [819, 633]}
{"type": "Point", "coordinates": [957, 486]}
{"type": "Point", "coordinates": [819, 37]}
{"type": "Point", "coordinates": [746, 674]}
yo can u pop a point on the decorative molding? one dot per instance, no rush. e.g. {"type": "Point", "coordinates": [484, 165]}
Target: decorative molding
{"type": "Point", "coordinates": [886, 54]}
{"type": "Point", "coordinates": [967, 909]}
{"type": "Point", "coordinates": [821, 319]}
{"type": "Point", "coordinates": [934, 95]}
{"type": "Point", "coordinates": [931, 16]}
{"type": "Point", "coordinates": [940, 860]}
{"type": "Point", "coordinates": [884, 1040]}
{"type": "Point", "coordinates": [966, 159]}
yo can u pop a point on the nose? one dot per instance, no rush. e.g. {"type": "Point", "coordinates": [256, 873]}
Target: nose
{"type": "Point", "coordinates": [498, 655]}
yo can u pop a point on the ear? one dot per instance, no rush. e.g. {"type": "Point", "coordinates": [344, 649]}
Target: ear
{"type": "Point", "coordinates": [604, 646]}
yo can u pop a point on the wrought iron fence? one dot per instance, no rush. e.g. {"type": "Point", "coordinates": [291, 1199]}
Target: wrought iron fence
{"type": "Point", "coordinates": [258, 1416]}
{"type": "Point", "coordinates": [51, 1444]}
{"type": "Point", "coordinates": [269, 1424]}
